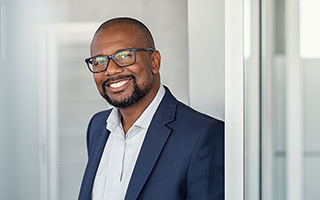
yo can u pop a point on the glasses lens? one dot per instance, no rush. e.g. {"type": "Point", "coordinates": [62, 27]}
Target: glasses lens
{"type": "Point", "coordinates": [125, 57]}
{"type": "Point", "coordinates": [98, 63]}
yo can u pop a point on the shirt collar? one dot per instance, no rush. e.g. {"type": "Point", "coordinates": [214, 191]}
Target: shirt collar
{"type": "Point", "coordinates": [114, 119]}
{"type": "Point", "coordinates": [145, 118]}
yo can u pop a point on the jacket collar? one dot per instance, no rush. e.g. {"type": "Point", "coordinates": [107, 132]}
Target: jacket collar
{"type": "Point", "coordinates": [156, 137]}
{"type": "Point", "coordinates": [93, 163]}
{"type": "Point", "coordinates": [153, 144]}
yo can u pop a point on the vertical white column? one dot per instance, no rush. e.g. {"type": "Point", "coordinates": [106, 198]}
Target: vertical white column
{"type": "Point", "coordinates": [294, 113]}
{"type": "Point", "coordinates": [252, 98]}
{"type": "Point", "coordinates": [52, 84]}
{"type": "Point", "coordinates": [43, 116]}
{"type": "Point", "coordinates": [234, 135]}
{"type": "Point", "coordinates": [267, 98]}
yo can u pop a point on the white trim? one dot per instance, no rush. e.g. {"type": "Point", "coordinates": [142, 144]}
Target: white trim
{"type": "Point", "coordinates": [267, 102]}
{"type": "Point", "coordinates": [52, 115]}
{"type": "Point", "coordinates": [252, 99]}
{"type": "Point", "coordinates": [294, 109]}
{"type": "Point", "coordinates": [234, 135]}
{"type": "Point", "coordinates": [51, 36]}
{"type": "Point", "coordinates": [43, 118]}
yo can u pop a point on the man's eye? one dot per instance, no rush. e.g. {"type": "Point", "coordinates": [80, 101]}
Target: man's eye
{"type": "Point", "coordinates": [99, 61]}
{"type": "Point", "coordinates": [124, 55]}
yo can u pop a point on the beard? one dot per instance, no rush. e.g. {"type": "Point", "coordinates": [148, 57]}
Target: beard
{"type": "Point", "coordinates": [137, 93]}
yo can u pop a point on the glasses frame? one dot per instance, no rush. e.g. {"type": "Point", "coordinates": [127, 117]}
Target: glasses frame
{"type": "Point", "coordinates": [111, 57]}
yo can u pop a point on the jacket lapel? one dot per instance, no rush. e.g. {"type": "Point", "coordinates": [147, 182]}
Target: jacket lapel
{"type": "Point", "coordinates": [93, 163]}
{"type": "Point", "coordinates": [152, 146]}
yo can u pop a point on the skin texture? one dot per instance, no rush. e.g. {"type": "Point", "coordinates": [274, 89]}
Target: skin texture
{"type": "Point", "coordinates": [145, 70]}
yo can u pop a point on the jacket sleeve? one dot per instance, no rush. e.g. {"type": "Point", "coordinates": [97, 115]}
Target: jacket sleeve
{"type": "Point", "coordinates": [205, 178]}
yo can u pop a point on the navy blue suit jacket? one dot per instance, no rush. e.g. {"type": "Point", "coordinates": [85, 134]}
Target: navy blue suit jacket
{"type": "Point", "coordinates": [182, 156]}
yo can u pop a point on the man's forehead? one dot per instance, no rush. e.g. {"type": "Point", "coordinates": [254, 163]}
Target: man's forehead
{"type": "Point", "coordinates": [119, 32]}
{"type": "Point", "coordinates": [120, 29]}
{"type": "Point", "coordinates": [115, 38]}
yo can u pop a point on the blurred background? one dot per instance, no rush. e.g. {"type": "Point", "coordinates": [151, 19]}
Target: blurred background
{"type": "Point", "coordinates": [48, 95]}
{"type": "Point", "coordinates": [282, 94]}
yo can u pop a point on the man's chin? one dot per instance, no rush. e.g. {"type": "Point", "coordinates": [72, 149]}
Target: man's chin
{"type": "Point", "coordinates": [118, 103]}
{"type": "Point", "coordinates": [124, 100]}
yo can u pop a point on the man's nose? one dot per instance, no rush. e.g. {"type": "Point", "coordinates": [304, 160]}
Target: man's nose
{"type": "Point", "coordinates": [112, 69]}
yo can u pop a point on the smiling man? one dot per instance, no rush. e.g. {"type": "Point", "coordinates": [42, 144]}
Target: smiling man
{"type": "Point", "coordinates": [149, 145]}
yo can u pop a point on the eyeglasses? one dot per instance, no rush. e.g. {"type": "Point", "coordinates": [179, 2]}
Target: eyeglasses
{"type": "Point", "coordinates": [122, 58]}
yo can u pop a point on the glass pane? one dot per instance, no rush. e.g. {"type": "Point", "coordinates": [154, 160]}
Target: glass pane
{"type": "Point", "coordinates": [310, 55]}
{"type": "Point", "coordinates": [309, 30]}
{"type": "Point", "coordinates": [279, 104]}
{"type": "Point", "coordinates": [275, 142]}
{"type": "Point", "coordinates": [265, 92]}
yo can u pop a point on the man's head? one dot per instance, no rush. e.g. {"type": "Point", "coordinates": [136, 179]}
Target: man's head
{"type": "Point", "coordinates": [146, 35]}
{"type": "Point", "coordinates": [139, 78]}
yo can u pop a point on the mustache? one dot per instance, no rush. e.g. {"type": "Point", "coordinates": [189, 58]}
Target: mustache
{"type": "Point", "coordinates": [116, 78]}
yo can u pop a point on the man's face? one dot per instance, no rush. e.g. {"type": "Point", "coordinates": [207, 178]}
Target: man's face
{"type": "Point", "coordinates": [122, 87]}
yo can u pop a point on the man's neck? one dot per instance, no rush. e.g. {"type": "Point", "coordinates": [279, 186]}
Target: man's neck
{"type": "Point", "coordinates": [130, 115]}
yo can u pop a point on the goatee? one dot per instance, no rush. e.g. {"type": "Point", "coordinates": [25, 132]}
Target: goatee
{"type": "Point", "coordinates": [136, 95]}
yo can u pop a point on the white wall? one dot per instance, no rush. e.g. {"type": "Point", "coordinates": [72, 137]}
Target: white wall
{"type": "Point", "coordinates": [206, 56]}
{"type": "Point", "coordinates": [167, 20]}
{"type": "Point", "coordinates": [19, 103]}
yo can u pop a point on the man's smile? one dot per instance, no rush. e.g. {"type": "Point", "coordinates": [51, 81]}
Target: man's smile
{"type": "Point", "coordinates": [117, 84]}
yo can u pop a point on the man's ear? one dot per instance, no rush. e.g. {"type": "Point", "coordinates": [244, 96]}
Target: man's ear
{"type": "Point", "coordinates": [155, 61]}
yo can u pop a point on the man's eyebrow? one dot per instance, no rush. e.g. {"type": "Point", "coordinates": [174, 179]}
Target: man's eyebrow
{"type": "Point", "coordinates": [119, 50]}
{"type": "Point", "coordinates": [99, 55]}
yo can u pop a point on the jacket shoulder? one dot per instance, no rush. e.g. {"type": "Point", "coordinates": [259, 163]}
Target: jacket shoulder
{"type": "Point", "coordinates": [186, 113]}
{"type": "Point", "coordinates": [99, 117]}
{"type": "Point", "coordinates": [97, 123]}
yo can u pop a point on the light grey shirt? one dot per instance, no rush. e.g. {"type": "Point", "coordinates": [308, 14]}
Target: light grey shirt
{"type": "Point", "coordinates": [121, 152]}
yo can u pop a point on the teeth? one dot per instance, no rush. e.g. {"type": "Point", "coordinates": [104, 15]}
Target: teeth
{"type": "Point", "coordinates": [118, 84]}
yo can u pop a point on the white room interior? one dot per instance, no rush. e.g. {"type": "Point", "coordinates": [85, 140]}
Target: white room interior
{"type": "Point", "coordinates": [252, 63]}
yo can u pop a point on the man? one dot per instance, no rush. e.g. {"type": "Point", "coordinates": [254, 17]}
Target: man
{"type": "Point", "coordinates": [149, 145]}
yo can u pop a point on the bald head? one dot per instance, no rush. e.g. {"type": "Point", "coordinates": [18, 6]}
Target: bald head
{"type": "Point", "coordinates": [144, 32]}
{"type": "Point", "coordinates": [136, 83]}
